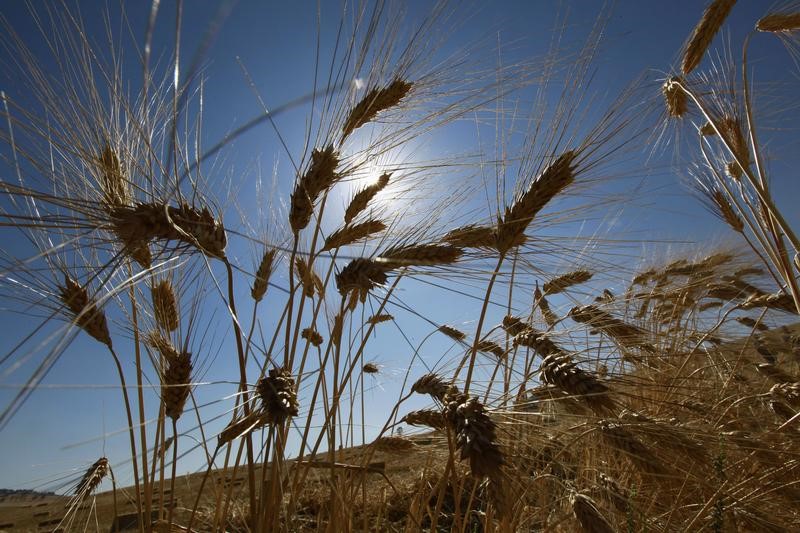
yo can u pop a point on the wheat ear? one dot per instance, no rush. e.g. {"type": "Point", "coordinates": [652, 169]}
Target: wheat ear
{"type": "Point", "coordinates": [779, 22]}
{"type": "Point", "coordinates": [553, 179]}
{"type": "Point", "coordinates": [87, 316]}
{"type": "Point", "coordinates": [713, 17]}
{"type": "Point", "coordinates": [92, 478]}
{"type": "Point", "coordinates": [363, 197]}
{"type": "Point", "coordinates": [263, 274]}
{"type": "Point", "coordinates": [375, 101]}
{"type": "Point", "coordinates": [165, 306]}
{"type": "Point", "coordinates": [565, 281]}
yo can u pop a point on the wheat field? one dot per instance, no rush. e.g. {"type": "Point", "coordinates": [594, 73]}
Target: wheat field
{"type": "Point", "coordinates": [450, 283]}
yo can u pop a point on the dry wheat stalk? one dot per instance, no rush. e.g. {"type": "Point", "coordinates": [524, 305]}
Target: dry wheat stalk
{"type": "Point", "coordinates": [553, 179]}
{"type": "Point", "coordinates": [278, 395]}
{"type": "Point", "coordinates": [373, 102]}
{"type": "Point", "coordinates": [175, 384]}
{"type": "Point", "coordinates": [84, 309]}
{"type": "Point", "coordinates": [471, 236]}
{"type": "Point", "coordinates": [165, 305]}
{"type": "Point", "coordinates": [779, 22]}
{"type": "Point", "coordinates": [363, 197]}
{"type": "Point", "coordinates": [321, 174]}
{"type": "Point", "coordinates": [433, 385]}
{"type": "Point", "coordinates": [393, 444]}
{"type": "Point", "coordinates": [588, 515]}
{"type": "Point", "coordinates": [566, 281]}
{"type": "Point", "coordinates": [562, 372]}
{"type": "Point", "coordinates": [475, 433]}
{"type": "Point", "coordinates": [312, 336]}
{"type": "Point", "coordinates": [351, 234]}
{"type": "Point", "coordinates": [263, 274]}
{"type": "Point", "coordinates": [425, 417]}
{"type": "Point", "coordinates": [143, 223]}
{"type": "Point", "coordinates": [92, 478]}
{"type": "Point", "coordinates": [675, 97]}
{"type": "Point", "coordinates": [713, 17]}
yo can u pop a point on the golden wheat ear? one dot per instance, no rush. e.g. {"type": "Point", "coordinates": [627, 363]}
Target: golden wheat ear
{"type": "Point", "coordinates": [263, 273]}
{"type": "Point", "coordinates": [375, 101]}
{"type": "Point", "coordinates": [553, 179]}
{"type": "Point", "coordinates": [475, 434]}
{"type": "Point", "coordinates": [165, 305]}
{"type": "Point", "coordinates": [588, 514]}
{"type": "Point", "coordinates": [711, 22]}
{"type": "Point", "coordinates": [278, 395]}
{"type": "Point", "coordinates": [175, 384]}
{"type": "Point", "coordinates": [363, 197]}
{"type": "Point", "coordinates": [84, 310]}
{"type": "Point", "coordinates": [319, 177]}
{"type": "Point", "coordinates": [779, 22]}
{"type": "Point", "coordinates": [675, 97]}
{"type": "Point", "coordinates": [92, 478]}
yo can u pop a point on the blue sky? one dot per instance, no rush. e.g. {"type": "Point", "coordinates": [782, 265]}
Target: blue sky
{"type": "Point", "coordinates": [75, 415]}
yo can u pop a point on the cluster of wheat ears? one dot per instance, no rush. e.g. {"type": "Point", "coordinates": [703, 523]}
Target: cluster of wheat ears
{"type": "Point", "coordinates": [671, 405]}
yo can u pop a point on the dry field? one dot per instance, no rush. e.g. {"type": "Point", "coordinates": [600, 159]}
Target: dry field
{"type": "Point", "coordinates": [594, 387]}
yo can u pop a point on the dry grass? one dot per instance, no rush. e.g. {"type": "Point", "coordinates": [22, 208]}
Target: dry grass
{"type": "Point", "coordinates": [660, 399]}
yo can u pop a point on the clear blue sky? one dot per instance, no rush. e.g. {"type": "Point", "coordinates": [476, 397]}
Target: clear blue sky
{"type": "Point", "coordinates": [75, 416]}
